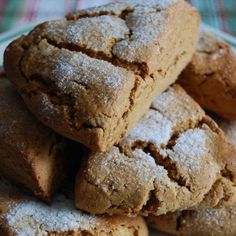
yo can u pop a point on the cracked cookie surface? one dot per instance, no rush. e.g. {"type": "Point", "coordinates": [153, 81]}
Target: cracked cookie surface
{"type": "Point", "coordinates": [90, 77]}
{"type": "Point", "coordinates": [23, 215]}
{"type": "Point", "coordinates": [31, 154]}
{"type": "Point", "coordinates": [175, 158]}
{"type": "Point", "coordinates": [211, 222]}
{"type": "Point", "coordinates": [210, 78]}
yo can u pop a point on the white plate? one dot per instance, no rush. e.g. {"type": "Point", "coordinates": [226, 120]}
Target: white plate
{"type": "Point", "coordinates": [7, 37]}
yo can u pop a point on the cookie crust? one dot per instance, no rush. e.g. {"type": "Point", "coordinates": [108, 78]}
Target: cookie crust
{"type": "Point", "coordinates": [210, 222]}
{"type": "Point", "coordinates": [210, 78]}
{"type": "Point", "coordinates": [92, 76]}
{"type": "Point", "coordinates": [31, 154]}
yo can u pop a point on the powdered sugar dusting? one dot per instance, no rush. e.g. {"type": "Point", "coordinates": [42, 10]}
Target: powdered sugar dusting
{"type": "Point", "coordinates": [64, 70]}
{"type": "Point", "coordinates": [188, 113]}
{"type": "Point", "coordinates": [46, 107]}
{"type": "Point", "coordinates": [76, 70]}
{"type": "Point", "coordinates": [95, 33]}
{"type": "Point", "coordinates": [114, 173]}
{"type": "Point", "coordinates": [146, 21]}
{"type": "Point", "coordinates": [156, 169]}
{"type": "Point", "coordinates": [214, 217]}
{"type": "Point", "coordinates": [192, 146]}
{"type": "Point", "coordinates": [175, 114]}
{"type": "Point", "coordinates": [72, 66]}
{"type": "Point", "coordinates": [141, 162]}
{"type": "Point", "coordinates": [144, 161]}
{"type": "Point", "coordinates": [154, 128]}
{"type": "Point", "coordinates": [219, 221]}
{"type": "Point", "coordinates": [155, 4]}
{"type": "Point", "coordinates": [66, 66]}
{"type": "Point", "coordinates": [146, 25]}
{"type": "Point", "coordinates": [193, 156]}
{"type": "Point", "coordinates": [122, 5]}
{"type": "Point", "coordinates": [30, 217]}
{"type": "Point", "coordinates": [151, 3]}
{"type": "Point", "coordinates": [190, 150]}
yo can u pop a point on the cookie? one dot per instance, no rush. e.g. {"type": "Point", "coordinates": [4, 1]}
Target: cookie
{"type": "Point", "coordinates": [175, 158]}
{"type": "Point", "coordinates": [92, 76]}
{"type": "Point", "coordinates": [210, 78]}
{"type": "Point", "coordinates": [30, 154]}
{"type": "Point", "coordinates": [204, 222]}
{"type": "Point", "coordinates": [209, 222]}
{"type": "Point", "coordinates": [21, 215]}
{"type": "Point", "coordinates": [229, 127]}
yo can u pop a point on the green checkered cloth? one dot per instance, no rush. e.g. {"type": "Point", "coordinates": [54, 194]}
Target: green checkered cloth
{"type": "Point", "coordinates": [220, 14]}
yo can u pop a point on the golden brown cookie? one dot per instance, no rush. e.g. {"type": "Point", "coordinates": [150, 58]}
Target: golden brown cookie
{"type": "Point", "coordinates": [204, 222]}
{"type": "Point", "coordinates": [21, 215]}
{"type": "Point", "coordinates": [92, 76]}
{"type": "Point", "coordinates": [210, 78]}
{"type": "Point", "coordinates": [175, 158]}
{"type": "Point", "coordinates": [30, 154]}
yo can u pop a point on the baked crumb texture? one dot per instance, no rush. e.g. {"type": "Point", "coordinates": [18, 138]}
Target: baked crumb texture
{"type": "Point", "coordinates": [91, 76]}
{"type": "Point", "coordinates": [210, 78]}
{"type": "Point", "coordinates": [31, 154]}
{"type": "Point", "coordinates": [21, 215]}
{"type": "Point", "coordinates": [210, 222]}
{"type": "Point", "coordinates": [175, 158]}
{"type": "Point", "coordinates": [205, 222]}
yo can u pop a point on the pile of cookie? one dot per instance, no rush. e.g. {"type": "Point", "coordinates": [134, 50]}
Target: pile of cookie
{"type": "Point", "coordinates": [103, 128]}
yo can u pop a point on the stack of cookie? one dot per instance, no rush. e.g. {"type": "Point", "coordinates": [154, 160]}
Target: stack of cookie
{"type": "Point", "coordinates": [92, 125]}
{"type": "Point", "coordinates": [210, 78]}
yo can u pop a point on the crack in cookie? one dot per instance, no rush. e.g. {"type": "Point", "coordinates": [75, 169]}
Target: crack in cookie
{"type": "Point", "coordinates": [108, 66]}
{"type": "Point", "coordinates": [210, 76]}
{"type": "Point", "coordinates": [163, 163]}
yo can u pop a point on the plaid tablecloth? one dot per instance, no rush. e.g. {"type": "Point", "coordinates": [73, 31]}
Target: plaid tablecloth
{"type": "Point", "coordinates": [220, 14]}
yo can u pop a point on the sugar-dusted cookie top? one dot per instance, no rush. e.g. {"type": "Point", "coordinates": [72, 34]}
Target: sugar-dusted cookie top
{"type": "Point", "coordinates": [210, 222]}
{"type": "Point", "coordinates": [21, 215]}
{"type": "Point", "coordinates": [175, 158]}
{"type": "Point", "coordinates": [91, 77]}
